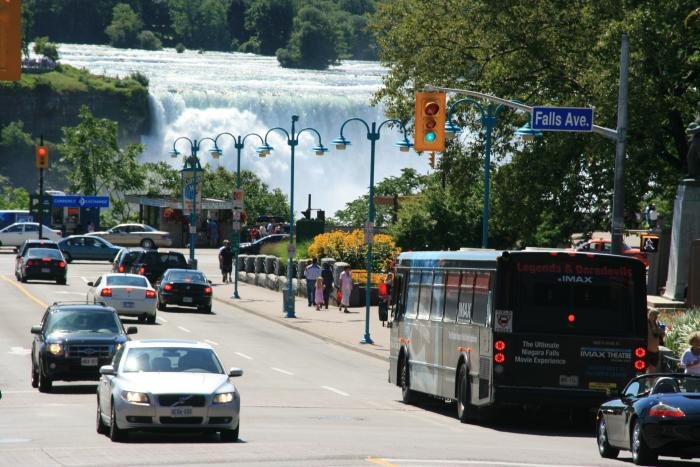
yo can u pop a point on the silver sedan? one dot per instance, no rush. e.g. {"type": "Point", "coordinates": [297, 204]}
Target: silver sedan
{"type": "Point", "coordinates": [167, 386]}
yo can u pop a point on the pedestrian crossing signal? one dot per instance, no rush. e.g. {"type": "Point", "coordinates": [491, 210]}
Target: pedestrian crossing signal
{"type": "Point", "coordinates": [42, 157]}
{"type": "Point", "coordinates": [649, 243]}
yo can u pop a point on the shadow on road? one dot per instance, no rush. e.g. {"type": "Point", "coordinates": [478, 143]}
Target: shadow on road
{"type": "Point", "coordinates": [74, 389]}
{"type": "Point", "coordinates": [145, 437]}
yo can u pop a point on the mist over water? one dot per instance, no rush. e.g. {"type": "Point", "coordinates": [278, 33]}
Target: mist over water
{"type": "Point", "coordinates": [201, 95]}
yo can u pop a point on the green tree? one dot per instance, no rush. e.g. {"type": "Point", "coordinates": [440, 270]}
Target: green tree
{"type": "Point", "coordinates": [97, 165]}
{"type": "Point", "coordinates": [12, 197]}
{"type": "Point", "coordinates": [313, 43]}
{"type": "Point", "coordinates": [201, 25]}
{"type": "Point", "coordinates": [560, 53]}
{"type": "Point", "coordinates": [147, 40]}
{"type": "Point", "coordinates": [42, 46]}
{"type": "Point", "coordinates": [270, 25]}
{"type": "Point", "coordinates": [125, 27]}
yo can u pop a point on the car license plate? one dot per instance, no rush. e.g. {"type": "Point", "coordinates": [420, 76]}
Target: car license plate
{"type": "Point", "coordinates": [128, 304]}
{"type": "Point", "coordinates": [186, 299]}
{"type": "Point", "coordinates": [45, 270]}
{"type": "Point", "coordinates": [181, 411]}
{"type": "Point", "coordinates": [88, 361]}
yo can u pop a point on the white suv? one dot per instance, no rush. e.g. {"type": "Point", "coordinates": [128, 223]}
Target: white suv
{"type": "Point", "coordinates": [15, 234]}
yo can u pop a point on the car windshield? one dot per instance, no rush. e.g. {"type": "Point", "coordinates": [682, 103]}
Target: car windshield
{"type": "Point", "coordinates": [186, 276]}
{"type": "Point", "coordinates": [129, 281]}
{"type": "Point", "coordinates": [82, 321]}
{"type": "Point", "coordinates": [171, 360]}
{"type": "Point", "coordinates": [44, 253]}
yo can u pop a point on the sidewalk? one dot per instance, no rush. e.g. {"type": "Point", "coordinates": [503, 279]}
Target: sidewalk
{"type": "Point", "coordinates": [345, 329]}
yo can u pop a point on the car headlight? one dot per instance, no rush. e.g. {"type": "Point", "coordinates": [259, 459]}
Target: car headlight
{"type": "Point", "coordinates": [118, 347]}
{"type": "Point", "coordinates": [135, 397]}
{"type": "Point", "coordinates": [224, 398]}
{"type": "Point", "coordinates": [56, 348]}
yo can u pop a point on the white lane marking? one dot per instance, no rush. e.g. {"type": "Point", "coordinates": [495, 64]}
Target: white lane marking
{"type": "Point", "coordinates": [244, 356]}
{"type": "Point", "coordinates": [282, 371]}
{"type": "Point", "coordinates": [65, 292]}
{"type": "Point", "coordinates": [211, 342]}
{"type": "Point", "coordinates": [162, 320]}
{"type": "Point", "coordinates": [337, 391]}
{"type": "Point", "coordinates": [183, 329]}
{"type": "Point", "coordinates": [469, 462]}
{"type": "Point", "coordinates": [85, 279]}
{"type": "Point", "coordinates": [19, 351]}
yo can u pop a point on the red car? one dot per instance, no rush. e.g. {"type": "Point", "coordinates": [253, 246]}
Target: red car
{"type": "Point", "coordinates": [605, 246]}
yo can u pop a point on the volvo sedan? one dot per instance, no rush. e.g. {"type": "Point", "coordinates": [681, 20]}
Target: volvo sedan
{"type": "Point", "coordinates": [129, 294]}
{"type": "Point", "coordinates": [167, 385]}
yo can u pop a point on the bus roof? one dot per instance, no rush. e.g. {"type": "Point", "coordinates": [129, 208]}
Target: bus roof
{"type": "Point", "coordinates": [465, 254]}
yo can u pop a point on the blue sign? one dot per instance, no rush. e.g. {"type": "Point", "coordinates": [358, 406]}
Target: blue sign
{"type": "Point", "coordinates": [562, 118]}
{"type": "Point", "coordinates": [78, 201]}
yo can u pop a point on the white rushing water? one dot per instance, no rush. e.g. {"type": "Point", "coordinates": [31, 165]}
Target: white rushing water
{"type": "Point", "coordinates": [201, 95]}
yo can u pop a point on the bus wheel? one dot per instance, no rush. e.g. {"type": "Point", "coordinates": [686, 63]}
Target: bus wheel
{"type": "Point", "coordinates": [407, 394]}
{"type": "Point", "coordinates": [466, 412]}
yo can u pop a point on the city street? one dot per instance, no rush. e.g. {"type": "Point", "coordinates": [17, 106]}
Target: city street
{"type": "Point", "coordinates": [305, 400]}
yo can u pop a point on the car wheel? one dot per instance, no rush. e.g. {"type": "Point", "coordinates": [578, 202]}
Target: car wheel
{"type": "Point", "coordinates": [641, 453]}
{"type": "Point", "coordinates": [204, 309]}
{"type": "Point", "coordinates": [151, 319]}
{"type": "Point", "coordinates": [407, 394]}
{"type": "Point", "coordinates": [35, 377]}
{"type": "Point", "coordinates": [148, 244]}
{"type": "Point", "coordinates": [116, 434]}
{"type": "Point", "coordinates": [99, 423]}
{"type": "Point", "coordinates": [604, 447]}
{"type": "Point", "coordinates": [466, 412]}
{"type": "Point", "coordinates": [229, 436]}
{"type": "Point", "coordinates": [23, 278]}
{"type": "Point", "coordinates": [45, 384]}
{"type": "Point", "coordinates": [160, 306]}
{"type": "Point", "coordinates": [142, 319]}
{"type": "Point", "coordinates": [61, 281]}
{"type": "Point", "coordinates": [69, 258]}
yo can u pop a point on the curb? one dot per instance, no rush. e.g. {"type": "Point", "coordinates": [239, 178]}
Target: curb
{"type": "Point", "coordinates": [281, 321]}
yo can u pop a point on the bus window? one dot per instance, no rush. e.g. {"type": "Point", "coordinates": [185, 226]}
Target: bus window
{"type": "Point", "coordinates": [466, 292]}
{"type": "Point", "coordinates": [426, 283]}
{"type": "Point", "coordinates": [412, 295]}
{"type": "Point", "coordinates": [436, 309]}
{"type": "Point", "coordinates": [481, 297]}
{"type": "Point", "coordinates": [451, 296]}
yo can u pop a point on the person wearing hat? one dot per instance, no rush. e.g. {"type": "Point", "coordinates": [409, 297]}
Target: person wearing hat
{"type": "Point", "coordinates": [226, 261]}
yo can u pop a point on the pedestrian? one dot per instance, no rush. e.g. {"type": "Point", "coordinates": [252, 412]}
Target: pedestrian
{"type": "Point", "coordinates": [327, 276]}
{"type": "Point", "coordinates": [311, 273]}
{"type": "Point", "coordinates": [263, 231]}
{"type": "Point", "coordinates": [345, 288]}
{"type": "Point", "coordinates": [213, 231]}
{"type": "Point", "coordinates": [226, 261]}
{"type": "Point", "coordinates": [690, 360]}
{"type": "Point", "coordinates": [655, 335]}
{"type": "Point", "coordinates": [91, 227]}
{"type": "Point", "coordinates": [652, 216]}
{"type": "Point", "coordinates": [318, 295]}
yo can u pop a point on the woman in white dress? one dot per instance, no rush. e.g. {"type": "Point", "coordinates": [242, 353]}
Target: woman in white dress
{"type": "Point", "coordinates": [345, 288]}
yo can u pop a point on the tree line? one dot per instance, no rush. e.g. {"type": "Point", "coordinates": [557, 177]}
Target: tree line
{"type": "Point", "coordinates": [300, 33]}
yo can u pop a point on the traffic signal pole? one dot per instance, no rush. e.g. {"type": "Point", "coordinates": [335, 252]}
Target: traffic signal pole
{"type": "Point", "coordinates": [41, 195]}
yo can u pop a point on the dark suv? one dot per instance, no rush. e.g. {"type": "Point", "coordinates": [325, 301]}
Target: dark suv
{"type": "Point", "coordinates": [125, 258]}
{"type": "Point", "coordinates": [153, 264]}
{"type": "Point", "coordinates": [73, 341]}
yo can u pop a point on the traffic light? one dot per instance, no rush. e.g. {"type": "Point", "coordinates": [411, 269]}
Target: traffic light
{"type": "Point", "coordinates": [10, 40]}
{"type": "Point", "coordinates": [431, 161]}
{"type": "Point", "coordinates": [430, 117]}
{"type": "Point", "coordinates": [42, 157]}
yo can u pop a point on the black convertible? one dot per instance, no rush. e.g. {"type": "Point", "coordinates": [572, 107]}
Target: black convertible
{"type": "Point", "coordinates": [656, 414]}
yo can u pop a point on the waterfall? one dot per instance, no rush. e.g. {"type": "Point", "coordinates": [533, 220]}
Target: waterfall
{"type": "Point", "coordinates": [201, 95]}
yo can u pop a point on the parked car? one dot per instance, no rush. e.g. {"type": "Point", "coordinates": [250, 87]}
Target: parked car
{"type": "Point", "coordinates": [15, 234]}
{"type": "Point", "coordinates": [167, 386]}
{"type": "Point", "coordinates": [129, 294]}
{"type": "Point", "coordinates": [82, 247]}
{"type": "Point", "coordinates": [125, 258]}
{"type": "Point", "coordinates": [153, 264]}
{"type": "Point", "coordinates": [135, 234]}
{"type": "Point", "coordinates": [73, 341]}
{"type": "Point", "coordinates": [43, 264]}
{"type": "Point", "coordinates": [656, 414]}
{"type": "Point", "coordinates": [605, 246]}
{"type": "Point", "coordinates": [27, 244]}
{"type": "Point", "coordinates": [254, 247]}
{"type": "Point", "coordinates": [184, 287]}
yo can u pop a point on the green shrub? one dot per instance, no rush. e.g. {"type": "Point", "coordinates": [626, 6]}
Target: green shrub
{"type": "Point", "coordinates": [679, 326]}
{"type": "Point", "coordinates": [149, 41]}
{"type": "Point", "coordinates": [180, 48]}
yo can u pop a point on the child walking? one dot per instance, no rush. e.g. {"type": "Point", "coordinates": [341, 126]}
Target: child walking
{"type": "Point", "coordinates": [318, 293]}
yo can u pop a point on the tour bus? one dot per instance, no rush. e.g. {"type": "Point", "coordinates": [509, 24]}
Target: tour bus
{"type": "Point", "coordinates": [535, 328]}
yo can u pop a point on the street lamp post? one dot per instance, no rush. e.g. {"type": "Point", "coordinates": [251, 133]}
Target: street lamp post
{"type": "Point", "coordinates": [264, 150]}
{"type": "Point", "coordinates": [191, 164]}
{"type": "Point", "coordinates": [239, 143]}
{"type": "Point", "coordinates": [489, 119]}
{"type": "Point", "coordinates": [341, 143]}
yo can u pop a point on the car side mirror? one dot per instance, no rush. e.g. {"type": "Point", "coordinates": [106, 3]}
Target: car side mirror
{"type": "Point", "coordinates": [36, 329]}
{"type": "Point", "coordinates": [233, 372]}
{"type": "Point", "coordinates": [210, 282]}
{"type": "Point", "coordinates": [90, 284]}
{"type": "Point", "coordinates": [132, 330]}
{"type": "Point", "coordinates": [107, 370]}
